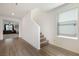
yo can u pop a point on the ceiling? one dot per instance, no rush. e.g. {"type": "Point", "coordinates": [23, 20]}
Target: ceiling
{"type": "Point", "coordinates": [20, 9]}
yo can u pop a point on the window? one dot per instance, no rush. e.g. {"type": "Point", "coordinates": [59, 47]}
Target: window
{"type": "Point", "coordinates": [9, 27]}
{"type": "Point", "coordinates": [67, 23]}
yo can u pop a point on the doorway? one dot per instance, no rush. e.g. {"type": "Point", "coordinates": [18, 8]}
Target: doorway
{"type": "Point", "coordinates": [10, 29]}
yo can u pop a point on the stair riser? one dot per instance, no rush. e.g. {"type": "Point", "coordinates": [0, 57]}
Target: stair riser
{"type": "Point", "coordinates": [43, 41]}
{"type": "Point", "coordinates": [42, 36]}
{"type": "Point", "coordinates": [44, 44]}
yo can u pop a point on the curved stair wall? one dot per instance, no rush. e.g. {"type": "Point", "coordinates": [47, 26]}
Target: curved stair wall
{"type": "Point", "coordinates": [30, 31]}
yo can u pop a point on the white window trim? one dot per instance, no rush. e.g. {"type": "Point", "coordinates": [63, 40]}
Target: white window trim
{"type": "Point", "coordinates": [67, 37]}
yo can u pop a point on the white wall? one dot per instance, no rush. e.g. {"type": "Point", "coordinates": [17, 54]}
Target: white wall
{"type": "Point", "coordinates": [1, 29]}
{"type": "Point", "coordinates": [20, 28]}
{"type": "Point", "coordinates": [45, 22]}
{"type": "Point", "coordinates": [30, 31]}
{"type": "Point", "coordinates": [69, 44]}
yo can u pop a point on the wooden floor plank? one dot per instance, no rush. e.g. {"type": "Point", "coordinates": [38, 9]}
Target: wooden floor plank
{"type": "Point", "coordinates": [19, 47]}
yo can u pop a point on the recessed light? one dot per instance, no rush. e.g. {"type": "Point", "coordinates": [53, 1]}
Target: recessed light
{"type": "Point", "coordinates": [13, 13]}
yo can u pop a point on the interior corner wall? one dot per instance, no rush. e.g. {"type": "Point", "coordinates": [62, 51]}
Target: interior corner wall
{"type": "Point", "coordinates": [69, 44]}
{"type": "Point", "coordinates": [1, 29]}
{"type": "Point", "coordinates": [20, 29]}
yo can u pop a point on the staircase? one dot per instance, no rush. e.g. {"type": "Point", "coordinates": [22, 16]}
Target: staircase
{"type": "Point", "coordinates": [43, 41]}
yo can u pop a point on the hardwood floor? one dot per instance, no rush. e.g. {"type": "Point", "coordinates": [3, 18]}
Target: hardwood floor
{"type": "Point", "coordinates": [19, 47]}
{"type": "Point", "coordinates": [6, 36]}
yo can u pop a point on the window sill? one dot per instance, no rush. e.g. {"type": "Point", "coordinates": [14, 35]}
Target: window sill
{"type": "Point", "coordinates": [67, 37]}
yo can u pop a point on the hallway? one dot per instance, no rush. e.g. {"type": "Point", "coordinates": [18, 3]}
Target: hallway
{"type": "Point", "coordinates": [19, 47]}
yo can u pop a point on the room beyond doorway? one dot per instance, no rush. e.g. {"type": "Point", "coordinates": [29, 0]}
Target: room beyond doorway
{"type": "Point", "coordinates": [10, 29]}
